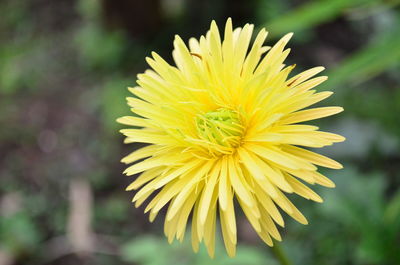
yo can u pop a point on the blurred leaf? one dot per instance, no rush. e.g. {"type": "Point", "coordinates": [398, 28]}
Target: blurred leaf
{"type": "Point", "coordinates": [10, 76]}
{"type": "Point", "coordinates": [140, 250]}
{"type": "Point", "coordinates": [377, 57]}
{"type": "Point", "coordinates": [358, 204]}
{"type": "Point", "coordinates": [14, 14]}
{"type": "Point", "coordinates": [18, 233]}
{"type": "Point", "coordinates": [150, 250]}
{"type": "Point", "coordinates": [349, 200]}
{"type": "Point", "coordinates": [15, 72]}
{"type": "Point", "coordinates": [272, 9]}
{"type": "Point", "coordinates": [113, 104]}
{"type": "Point", "coordinates": [392, 212]}
{"type": "Point", "coordinates": [113, 210]}
{"type": "Point", "coordinates": [310, 14]}
{"type": "Point", "coordinates": [373, 104]}
{"type": "Point", "coordinates": [100, 49]}
{"type": "Point", "coordinates": [89, 9]}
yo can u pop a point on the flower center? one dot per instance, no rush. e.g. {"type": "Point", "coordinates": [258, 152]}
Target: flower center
{"type": "Point", "coordinates": [221, 127]}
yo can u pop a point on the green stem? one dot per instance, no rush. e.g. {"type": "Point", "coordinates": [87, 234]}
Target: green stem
{"type": "Point", "coordinates": [280, 254]}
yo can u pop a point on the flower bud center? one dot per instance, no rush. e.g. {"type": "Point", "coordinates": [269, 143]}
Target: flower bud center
{"type": "Point", "coordinates": [221, 126]}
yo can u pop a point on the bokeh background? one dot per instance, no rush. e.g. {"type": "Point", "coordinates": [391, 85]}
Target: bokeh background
{"type": "Point", "coordinates": [64, 69]}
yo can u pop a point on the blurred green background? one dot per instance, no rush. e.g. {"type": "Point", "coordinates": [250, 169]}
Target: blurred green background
{"type": "Point", "coordinates": [64, 69]}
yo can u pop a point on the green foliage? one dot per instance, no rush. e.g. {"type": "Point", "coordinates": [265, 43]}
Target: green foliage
{"type": "Point", "coordinates": [377, 57]}
{"type": "Point", "coordinates": [363, 217]}
{"type": "Point", "coordinates": [18, 233]}
{"type": "Point", "coordinates": [373, 102]}
{"type": "Point", "coordinates": [150, 250]}
{"type": "Point", "coordinates": [391, 215]}
{"type": "Point", "coordinates": [100, 50]}
{"type": "Point", "coordinates": [113, 210]}
{"type": "Point", "coordinates": [14, 72]}
{"type": "Point", "coordinates": [114, 93]}
{"type": "Point", "coordinates": [309, 15]}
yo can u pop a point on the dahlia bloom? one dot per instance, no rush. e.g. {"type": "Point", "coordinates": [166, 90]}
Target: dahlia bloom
{"type": "Point", "coordinates": [223, 125]}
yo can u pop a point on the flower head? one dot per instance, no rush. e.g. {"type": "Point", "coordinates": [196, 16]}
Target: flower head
{"type": "Point", "coordinates": [223, 125]}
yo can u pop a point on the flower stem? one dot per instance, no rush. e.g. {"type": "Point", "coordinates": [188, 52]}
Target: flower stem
{"type": "Point", "coordinates": [280, 254]}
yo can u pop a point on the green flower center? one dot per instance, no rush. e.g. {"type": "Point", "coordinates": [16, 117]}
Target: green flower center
{"type": "Point", "coordinates": [221, 127]}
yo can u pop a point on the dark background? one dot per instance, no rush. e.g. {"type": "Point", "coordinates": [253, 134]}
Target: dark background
{"type": "Point", "coordinates": [64, 69]}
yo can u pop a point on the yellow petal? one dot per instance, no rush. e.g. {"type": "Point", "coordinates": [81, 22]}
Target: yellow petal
{"type": "Point", "coordinates": [189, 186]}
{"type": "Point", "coordinates": [134, 121]}
{"type": "Point", "coordinates": [314, 158]}
{"type": "Point", "coordinates": [230, 245]}
{"type": "Point", "coordinates": [183, 216]}
{"type": "Point", "coordinates": [256, 171]}
{"type": "Point", "coordinates": [311, 114]}
{"type": "Point", "coordinates": [274, 53]}
{"type": "Point", "coordinates": [253, 219]}
{"type": "Point", "coordinates": [277, 156]}
{"type": "Point", "coordinates": [195, 237]}
{"type": "Point", "coordinates": [140, 153]}
{"type": "Point", "coordinates": [224, 184]}
{"type": "Point", "coordinates": [238, 183]}
{"type": "Point", "coordinates": [208, 191]}
{"type": "Point", "coordinates": [269, 206]}
{"type": "Point", "coordinates": [304, 76]}
{"type": "Point", "coordinates": [322, 180]}
{"type": "Point", "coordinates": [209, 228]}
{"type": "Point", "coordinates": [145, 177]}
{"type": "Point", "coordinates": [254, 55]}
{"type": "Point", "coordinates": [302, 190]}
{"type": "Point", "coordinates": [173, 173]}
{"type": "Point", "coordinates": [268, 225]}
{"type": "Point", "coordinates": [155, 162]}
{"type": "Point", "coordinates": [292, 210]}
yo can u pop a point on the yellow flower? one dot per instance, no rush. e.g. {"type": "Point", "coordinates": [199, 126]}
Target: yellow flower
{"type": "Point", "coordinates": [223, 125]}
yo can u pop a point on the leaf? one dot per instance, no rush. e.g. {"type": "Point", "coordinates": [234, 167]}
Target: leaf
{"type": "Point", "coordinates": [370, 61]}
{"type": "Point", "coordinates": [142, 249]}
{"type": "Point", "coordinates": [310, 14]}
{"type": "Point", "coordinates": [18, 233]}
{"type": "Point", "coordinates": [113, 97]}
{"type": "Point", "coordinates": [392, 211]}
{"type": "Point", "coordinates": [151, 250]}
